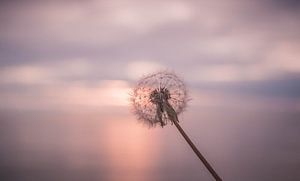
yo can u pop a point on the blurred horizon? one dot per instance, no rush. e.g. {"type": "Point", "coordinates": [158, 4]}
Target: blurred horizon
{"type": "Point", "coordinates": [67, 69]}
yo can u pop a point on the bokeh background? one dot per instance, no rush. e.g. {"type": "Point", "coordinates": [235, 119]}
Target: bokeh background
{"type": "Point", "coordinates": [67, 68]}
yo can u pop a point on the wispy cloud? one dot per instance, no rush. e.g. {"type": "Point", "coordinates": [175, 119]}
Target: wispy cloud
{"type": "Point", "coordinates": [61, 42]}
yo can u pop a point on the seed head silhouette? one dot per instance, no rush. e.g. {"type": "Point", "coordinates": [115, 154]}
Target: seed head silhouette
{"type": "Point", "coordinates": [155, 94]}
{"type": "Point", "coordinates": [157, 99]}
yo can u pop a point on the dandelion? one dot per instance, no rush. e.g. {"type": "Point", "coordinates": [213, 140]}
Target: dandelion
{"type": "Point", "coordinates": [158, 99]}
{"type": "Point", "coordinates": [153, 92]}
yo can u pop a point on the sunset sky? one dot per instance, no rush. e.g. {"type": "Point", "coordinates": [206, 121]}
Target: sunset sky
{"type": "Point", "coordinates": [81, 47]}
{"type": "Point", "coordinates": [67, 69]}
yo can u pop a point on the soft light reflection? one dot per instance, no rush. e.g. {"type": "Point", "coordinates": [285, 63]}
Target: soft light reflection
{"type": "Point", "coordinates": [67, 66]}
{"type": "Point", "coordinates": [131, 149]}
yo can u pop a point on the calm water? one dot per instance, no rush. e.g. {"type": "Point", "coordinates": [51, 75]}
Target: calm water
{"type": "Point", "coordinates": [109, 144]}
{"type": "Point", "coordinates": [66, 68]}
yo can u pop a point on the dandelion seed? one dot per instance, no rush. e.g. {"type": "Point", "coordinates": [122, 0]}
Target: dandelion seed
{"type": "Point", "coordinates": [149, 95]}
{"type": "Point", "coordinates": [158, 99]}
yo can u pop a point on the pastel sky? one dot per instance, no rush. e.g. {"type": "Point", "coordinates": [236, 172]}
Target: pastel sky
{"type": "Point", "coordinates": [90, 45]}
{"type": "Point", "coordinates": [67, 69]}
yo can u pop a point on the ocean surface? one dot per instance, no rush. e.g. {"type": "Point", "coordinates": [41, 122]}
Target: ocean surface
{"type": "Point", "coordinates": [241, 143]}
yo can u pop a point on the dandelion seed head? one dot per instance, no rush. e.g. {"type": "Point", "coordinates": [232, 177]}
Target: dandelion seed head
{"type": "Point", "coordinates": [152, 90]}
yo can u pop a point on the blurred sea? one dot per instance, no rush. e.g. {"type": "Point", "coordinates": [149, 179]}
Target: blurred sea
{"type": "Point", "coordinates": [109, 144]}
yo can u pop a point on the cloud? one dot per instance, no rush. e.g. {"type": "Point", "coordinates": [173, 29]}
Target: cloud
{"type": "Point", "coordinates": [45, 73]}
{"type": "Point", "coordinates": [71, 96]}
{"type": "Point", "coordinates": [90, 23]}
{"type": "Point", "coordinates": [284, 56]}
{"type": "Point", "coordinates": [61, 42]}
{"type": "Point", "coordinates": [24, 75]}
{"type": "Point", "coordinates": [137, 69]}
{"type": "Point", "coordinates": [136, 16]}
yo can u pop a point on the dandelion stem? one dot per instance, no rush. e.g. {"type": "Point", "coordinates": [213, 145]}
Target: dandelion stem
{"type": "Point", "coordinates": [197, 152]}
{"type": "Point", "coordinates": [173, 117]}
